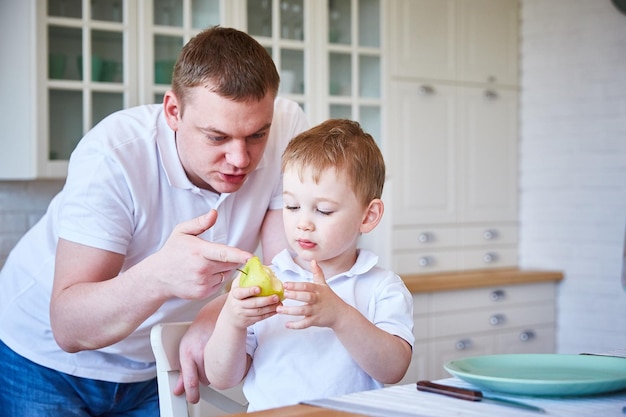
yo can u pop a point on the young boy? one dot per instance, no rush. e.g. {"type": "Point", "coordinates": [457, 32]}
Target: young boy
{"type": "Point", "coordinates": [345, 324]}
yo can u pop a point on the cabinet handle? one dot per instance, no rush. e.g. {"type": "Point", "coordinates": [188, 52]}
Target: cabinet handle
{"type": "Point", "coordinates": [527, 335]}
{"type": "Point", "coordinates": [491, 95]}
{"type": "Point", "coordinates": [425, 261]}
{"type": "Point", "coordinates": [424, 237]}
{"type": "Point", "coordinates": [463, 344]}
{"type": "Point", "coordinates": [490, 257]}
{"type": "Point", "coordinates": [497, 295]}
{"type": "Point", "coordinates": [426, 90]}
{"type": "Point", "coordinates": [497, 319]}
{"type": "Point", "coordinates": [490, 234]}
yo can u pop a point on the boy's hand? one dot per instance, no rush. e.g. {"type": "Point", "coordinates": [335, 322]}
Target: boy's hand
{"type": "Point", "coordinates": [321, 306]}
{"type": "Point", "coordinates": [243, 308]}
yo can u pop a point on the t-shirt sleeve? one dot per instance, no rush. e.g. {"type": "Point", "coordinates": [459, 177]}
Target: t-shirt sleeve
{"type": "Point", "coordinates": [394, 308]}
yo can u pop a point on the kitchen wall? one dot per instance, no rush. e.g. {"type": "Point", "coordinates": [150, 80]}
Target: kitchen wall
{"type": "Point", "coordinates": [573, 163]}
{"type": "Point", "coordinates": [22, 203]}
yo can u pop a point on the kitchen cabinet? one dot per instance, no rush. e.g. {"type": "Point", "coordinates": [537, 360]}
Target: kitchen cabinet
{"type": "Point", "coordinates": [77, 61]}
{"type": "Point", "coordinates": [491, 320]}
{"type": "Point", "coordinates": [453, 125]}
{"type": "Point", "coordinates": [84, 60]}
{"type": "Point", "coordinates": [328, 53]}
{"type": "Point", "coordinates": [470, 41]}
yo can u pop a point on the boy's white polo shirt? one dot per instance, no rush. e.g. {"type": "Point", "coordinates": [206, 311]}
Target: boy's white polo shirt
{"type": "Point", "coordinates": [290, 366]}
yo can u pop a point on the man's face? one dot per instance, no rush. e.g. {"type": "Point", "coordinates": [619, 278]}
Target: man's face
{"type": "Point", "coordinates": [219, 141]}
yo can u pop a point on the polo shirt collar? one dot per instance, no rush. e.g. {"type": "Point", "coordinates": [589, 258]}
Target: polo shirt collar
{"type": "Point", "coordinates": [284, 263]}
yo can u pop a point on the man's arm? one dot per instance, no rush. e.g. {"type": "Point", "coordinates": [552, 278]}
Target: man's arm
{"type": "Point", "coordinates": [93, 305]}
{"type": "Point", "coordinates": [273, 238]}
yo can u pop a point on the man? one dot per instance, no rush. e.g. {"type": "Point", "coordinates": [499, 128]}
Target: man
{"type": "Point", "coordinates": [160, 205]}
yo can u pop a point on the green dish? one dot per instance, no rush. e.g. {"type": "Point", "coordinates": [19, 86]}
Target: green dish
{"type": "Point", "coordinates": [542, 374]}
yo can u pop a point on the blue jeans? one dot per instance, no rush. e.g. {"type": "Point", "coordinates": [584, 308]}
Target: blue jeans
{"type": "Point", "coordinates": [31, 390]}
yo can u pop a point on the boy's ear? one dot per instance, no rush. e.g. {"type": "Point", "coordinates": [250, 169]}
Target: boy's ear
{"type": "Point", "coordinates": [373, 215]}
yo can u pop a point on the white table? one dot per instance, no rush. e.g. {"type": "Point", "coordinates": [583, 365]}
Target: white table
{"type": "Point", "coordinates": [406, 400]}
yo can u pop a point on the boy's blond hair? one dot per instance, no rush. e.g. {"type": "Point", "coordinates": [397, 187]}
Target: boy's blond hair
{"type": "Point", "coordinates": [341, 144]}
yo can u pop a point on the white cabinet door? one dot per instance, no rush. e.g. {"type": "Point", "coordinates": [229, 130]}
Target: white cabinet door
{"type": "Point", "coordinates": [487, 146]}
{"type": "Point", "coordinates": [488, 37]}
{"type": "Point", "coordinates": [423, 39]}
{"type": "Point", "coordinates": [423, 147]}
{"type": "Point", "coordinates": [457, 40]}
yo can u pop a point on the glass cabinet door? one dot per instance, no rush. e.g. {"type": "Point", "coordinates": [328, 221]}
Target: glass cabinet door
{"type": "Point", "coordinates": [279, 25]}
{"type": "Point", "coordinates": [171, 23]}
{"type": "Point", "coordinates": [354, 63]}
{"type": "Point", "coordinates": [85, 81]}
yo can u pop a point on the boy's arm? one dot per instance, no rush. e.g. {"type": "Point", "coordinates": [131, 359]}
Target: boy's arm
{"type": "Point", "coordinates": [384, 356]}
{"type": "Point", "coordinates": [226, 361]}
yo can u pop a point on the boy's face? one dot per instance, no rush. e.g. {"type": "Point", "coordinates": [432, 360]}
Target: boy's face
{"type": "Point", "coordinates": [323, 220]}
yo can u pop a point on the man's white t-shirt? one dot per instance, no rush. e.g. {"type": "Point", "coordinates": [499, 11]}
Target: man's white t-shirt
{"type": "Point", "coordinates": [290, 366]}
{"type": "Point", "coordinates": [125, 192]}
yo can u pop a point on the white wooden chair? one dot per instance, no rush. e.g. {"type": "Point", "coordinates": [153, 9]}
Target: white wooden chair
{"type": "Point", "coordinates": [165, 339]}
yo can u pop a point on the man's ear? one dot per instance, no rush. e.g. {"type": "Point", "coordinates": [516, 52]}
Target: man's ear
{"type": "Point", "coordinates": [373, 215]}
{"type": "Point", "coordinates": [171, 108]}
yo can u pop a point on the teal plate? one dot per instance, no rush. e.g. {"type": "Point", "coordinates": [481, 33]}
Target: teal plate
{"type": "Point", "coordinates": [542, 374]}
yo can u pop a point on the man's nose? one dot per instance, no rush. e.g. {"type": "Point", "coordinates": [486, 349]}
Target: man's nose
{"type": "Point", "coordinates": [237, 153]}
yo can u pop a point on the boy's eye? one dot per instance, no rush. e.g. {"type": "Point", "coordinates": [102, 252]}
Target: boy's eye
{"type": "Point", "coordinates": [291, 208]}
{"type": "Point", "coordinates": [324, 212]}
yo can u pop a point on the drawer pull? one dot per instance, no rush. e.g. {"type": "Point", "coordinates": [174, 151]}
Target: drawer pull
{"type": "Point", "coordinates": [497, 319]}
{"type": "Point", "coordinates": [497, 295]}
{"type": "Point", "coordinates": [526, 335]}
{"type": "Point", "coordinates": [490, 257]}
{"type": "Point", "coordinates": [426, 90]}
{"type": "Point", "coordinates": [463, 344]}
{"type": "Point", "coordinates": [490, 234]}
{"type": "Point", "coordinates": [425, 261]}
{"type": "Point", "coordinates": [491, 95]}
{"type": "Point", "coordinates": [424, 237]}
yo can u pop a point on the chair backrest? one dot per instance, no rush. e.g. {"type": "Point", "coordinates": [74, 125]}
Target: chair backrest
{"type": "Point", "coordinates": [165, 339]}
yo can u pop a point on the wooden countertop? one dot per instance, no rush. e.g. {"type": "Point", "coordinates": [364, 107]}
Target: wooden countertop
{"type": "Point", "coordinates": [444, 281]}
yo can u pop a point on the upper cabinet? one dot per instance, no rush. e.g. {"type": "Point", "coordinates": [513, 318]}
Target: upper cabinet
{"type": "Point", "coordinates": [453, 105]}
{"type": "Point", "coordinates": [455, 40]}
{"type": "Point", "coordinates": [76, 61]}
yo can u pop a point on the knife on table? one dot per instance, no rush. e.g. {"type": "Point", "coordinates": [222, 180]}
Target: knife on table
{"type": "Point", "coordinates": [473, 395]}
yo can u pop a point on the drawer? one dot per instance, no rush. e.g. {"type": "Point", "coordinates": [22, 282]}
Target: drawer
{"type": "Point", "coordinates": [491, 320]}
{"type": "Point", "coordinates": [488, 235]}
{"type": "Point", "coordinates": [490, 297]}
{"type": "Point", "coordinates": [445, 350]}
{"type": "Point", "coordinates": [425, 238]}
{"type": "Point", "coordinates": [530, 339]}
{"type": "Point", "coordinates": [424, 262]}
{"type": "Point", "coordinates": [420, 304]}
{"type": "Point", "coordinates": [420, 328]}
{"type": "Point", "coordinates": [488, 257]}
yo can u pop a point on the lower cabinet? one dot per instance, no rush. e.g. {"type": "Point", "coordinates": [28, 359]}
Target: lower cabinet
{"type": "Point", "coordinates": [451, 325]}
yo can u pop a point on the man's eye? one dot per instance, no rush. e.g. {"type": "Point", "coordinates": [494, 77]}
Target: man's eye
{"type": "Point", "coordinates": [217, 138]}
{"type": "Point", "coordinates": [257, 136]}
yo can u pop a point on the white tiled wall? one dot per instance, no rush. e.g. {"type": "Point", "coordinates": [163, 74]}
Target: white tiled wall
{"type": "Point", "coordinates": [22, 203]}
{"type": "Point", "coordinates": [573, 163]}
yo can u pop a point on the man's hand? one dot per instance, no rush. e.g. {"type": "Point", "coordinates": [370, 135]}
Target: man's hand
{"type": "Point", "coordinates": [191, 350]}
